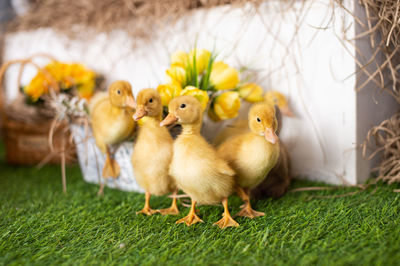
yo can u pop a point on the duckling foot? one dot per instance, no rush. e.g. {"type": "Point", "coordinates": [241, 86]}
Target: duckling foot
{"type": "Point", "coordinates": [227, 220]}
{"type": "Point", "coordinates": [111, 168]}
{"type": "Point", "coordinates": [147, 211]}
{"type": "Point", "coordinates": [173, 210]}
{"type": "Point", "coordinates": [247, 211]}
{"type": "Point", "coordinates": [101, 190]}
{"type": "Point", "coordinates": [191, 218]}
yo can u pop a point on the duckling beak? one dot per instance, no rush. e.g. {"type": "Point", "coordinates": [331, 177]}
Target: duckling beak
{"type": "Point", "coordinates": [169, 120]}
{"type": "Point", "coordinates": [130, 102]}
{"type": "Point", "coordinates": [285, 110]}
{"type": "Point", "coordinates": [140, 112]}
{"type": "Point", "coordinates": [270, 135]}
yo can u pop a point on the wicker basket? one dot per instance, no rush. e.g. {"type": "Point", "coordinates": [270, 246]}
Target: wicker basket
{"type": "Point", "coordinates": [26, 135]}
{"type": "Point", "coordinates": [28, 144]}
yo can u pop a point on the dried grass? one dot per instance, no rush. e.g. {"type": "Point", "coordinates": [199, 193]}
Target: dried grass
{"type": "Point", "coordinates": [139, 18]}
{"type": "Point", "coordinates": [383, 22]}
{"type": "Point", "coordinates": [386, 137]}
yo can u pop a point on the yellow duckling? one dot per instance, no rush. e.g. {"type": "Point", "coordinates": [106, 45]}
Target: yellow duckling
{"type": "Point", "coordinates": [278, 99]}
{"type": "Point", "coordinates": [240, 126]}
{"type": "Point", "coordinates": [195, 166]}
{"type": "Point", "coordinates": [152, 152]}
{"type": "Point", "coordinates": [252, 155]}
{"type": "Point", "coordinates": [111, 119]}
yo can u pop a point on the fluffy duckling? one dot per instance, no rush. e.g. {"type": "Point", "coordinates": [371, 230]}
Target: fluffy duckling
{"type": "Point", "coordinates": [195, 166]}
{"type": "Point", "coordinates": [153, 152]}
{"type": "Point", "coordinates": [278, 179]}
{"type": "Point", "coordinates": [111, 119]}
{"type": "Point", "coordinates": [278, 99]}
{"type": "Point", "coordinates": [240, 126]}
{"type": "Point", "coordinates": [252, 155]}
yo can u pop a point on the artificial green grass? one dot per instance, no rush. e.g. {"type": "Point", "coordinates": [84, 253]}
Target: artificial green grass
{"type": "Point", "coordinates": [39, 225]}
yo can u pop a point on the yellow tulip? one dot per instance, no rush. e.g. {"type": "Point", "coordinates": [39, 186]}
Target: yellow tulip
{"type": "Point", "coordinates": [202, 57]}
{"type": "Point", "coordinates": [180, 58]}
{"type": "Point", "coordinates": [168, 92]}
{"type": "Point", "coordinates": [200, 95]}
{"type": "Point", "coordinates": [251, 92]}
{"type": "Point", "coordinates": [223, 77]}
{"type": "Point", "coordinates": [86, 90]}
{"type": "Point", "coordinates": [226, 106]}
{"type": "Point", "coordinates": [37, 87]}
{"type": "Point", "coordinates": [177, 73]}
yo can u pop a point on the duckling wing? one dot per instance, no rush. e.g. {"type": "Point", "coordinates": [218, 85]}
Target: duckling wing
{"type": "Point", "coordinates": [96, 99]}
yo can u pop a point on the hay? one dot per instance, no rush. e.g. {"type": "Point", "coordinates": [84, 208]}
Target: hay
{"type": "Point", "coordinates": [386, 137]}
{"type": "Point", "coordinates": [383, 22]}
{"type": "Point", "coordinates": [139, 18]}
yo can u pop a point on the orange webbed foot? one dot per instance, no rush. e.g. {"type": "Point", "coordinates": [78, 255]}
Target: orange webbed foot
{"type": "Point", "coordinates": [192, 217]}
{"type": "Point", "coordinates": [111, 168]}
{"type": "Point", "coordinates": [147, 211]}
{"type": "Point", "coordinates": [226, 221]}
{"type": "Point", "coordinates": [247, 211]}
{"type": "Point", "coordinates": [173, 210]}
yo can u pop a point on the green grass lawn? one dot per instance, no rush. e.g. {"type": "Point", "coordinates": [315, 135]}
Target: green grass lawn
{"type": "Point", "coordinates": [40, 225]}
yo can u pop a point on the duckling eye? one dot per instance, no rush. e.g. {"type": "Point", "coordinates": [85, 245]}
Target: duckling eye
{"type": "Point", "coordinates": [151, 100]}
{"type": "Point", "coordinates": [183, 105]}
{"type": "Point", "coordinates": [118, 91]}
{"type": "Point", "coordinates": [258, 120]}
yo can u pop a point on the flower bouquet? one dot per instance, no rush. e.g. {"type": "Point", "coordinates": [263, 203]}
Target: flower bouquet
{"type": "Point", "coordinates": [34, 131]}
{"type": "Point", "coordinates": [214, 83]}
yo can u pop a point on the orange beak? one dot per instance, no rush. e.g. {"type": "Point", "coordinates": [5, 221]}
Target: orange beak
{"type": "Point", "coordinates": [286, 111]}
{"type": "Point", "coordinates": [169, 120]}
{"type": "Point", "coordinates": [270, 136]}
{"type": "Point", "coordinates": [140, 112]}
{"type": "Point", "coordinates": [130, 102]}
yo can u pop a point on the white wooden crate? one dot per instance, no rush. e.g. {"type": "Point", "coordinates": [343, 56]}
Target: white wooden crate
{"type": "Point", "coordinates": [316, 69]}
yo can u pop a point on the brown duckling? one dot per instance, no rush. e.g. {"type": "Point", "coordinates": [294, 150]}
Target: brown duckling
{"type": "Point", "coordinates": [195, 166]}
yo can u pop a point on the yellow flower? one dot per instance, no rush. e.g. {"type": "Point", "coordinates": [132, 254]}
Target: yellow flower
{"type": "Point", "coordinates": [78, 74]}
{"type": "Point", "coordinates": [200, 95]}
{"type": "Point", "coordinates": [202, 57]}
{"type": "Point", "coordinates": [179, 58]}
{"type": "Point", "coordinates": [177, 73]}
{"type": "Point", "coordinates": [86, 90]}
{"type": "Point", "coordinates": [226, 106]}
{"type": "Point", "coordinates": [168, 92]}
{"type": "Point", "coordinates": [37, 87]}
{"type": "Point", "coordinates": [55, 70]}
{"type": "Point", "coordinates": [251, 92]}
{"type": "Point", "coordinates": [224, 77]}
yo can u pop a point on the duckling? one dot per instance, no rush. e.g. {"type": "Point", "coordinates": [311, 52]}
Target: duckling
{"type": "Point", "coordinates": [153, 152]}
{"type": "Point", "coordinates": [278, 99]}
{"type": "Point", "coordinates": [252, 155]}
{"type": "Point", "coordinates": [240, 126]}
{"type": "Point", "coordinates": [111, 119]}
{"type": "Point", "coordinates": [195, 166]}
{"type": "Point", "coordinates": [278, 179]}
